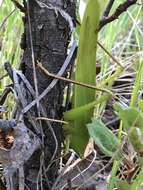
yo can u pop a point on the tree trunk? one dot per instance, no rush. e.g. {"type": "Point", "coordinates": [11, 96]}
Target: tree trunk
{"type": "Point", "coordinates": [50, 37]}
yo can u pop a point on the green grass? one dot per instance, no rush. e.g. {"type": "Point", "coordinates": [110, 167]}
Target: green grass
{"type": "Point", "coordinates": [123, 39]}
{"type": "Point", "coordinates": [11, 28]}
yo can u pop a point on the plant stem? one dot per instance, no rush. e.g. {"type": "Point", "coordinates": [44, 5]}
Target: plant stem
{"type": "Point", "coordinates": [137, 85]}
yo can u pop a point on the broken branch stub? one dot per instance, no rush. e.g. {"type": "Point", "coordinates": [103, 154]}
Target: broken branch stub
{"type": "Point", "coordinates": [24, 145]}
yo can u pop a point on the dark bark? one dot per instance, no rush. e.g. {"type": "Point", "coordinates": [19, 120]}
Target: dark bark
{"type": "Point", "coordinates": [50, 37]}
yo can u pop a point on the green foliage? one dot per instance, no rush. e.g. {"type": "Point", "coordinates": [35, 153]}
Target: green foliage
{"type": "Point", "coordinates": [118, 36]}
{"type": "Point", "coordinates": [113, 178]}
{"type": "Point", "coordinates": [11, 28]}
{"type": "Point", "coordinates": [78, 114]}
{"type": "Point", "coordinates": [86, 73]}
{"type": "Point", "coordinates": [131, 117]}
{"type": "Point", "coordinates": [82, 110]}
{"type": "Point", "coordinates": [86, 57]}
{"type": "Point", "coordinates": [123, 185]}
{"type": "Point", "coordinates": [82, 5]}
{"type": "Point", "coordinates": [137, 85]}
{"type": "Point", "coordinates": [135, 136]}
{"type": "Point", "coordinates": [103, 137]}
{"type": "Point", "coordinates": [140, 104]}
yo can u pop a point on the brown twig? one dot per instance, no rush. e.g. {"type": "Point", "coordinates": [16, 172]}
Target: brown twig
{"type": "Point", "coordinates": [4, 95]}
{"type": "Point", "coordinates": [51, 120]}
{"type": "Point", "coordinates": [2, 77]}
{"type": "Point", "coordinates": [19, 6]}
{"type": "Point", "coordinates": [8, 68]}
{"type": "Point", "coordinates": [62, 70]}
{"type": "Point", "coordinates": [120, 9]}
{"type": "Point", "coordinates": [72, 81]}
{"type": "Point", "coordinates": [108, 8]}
{"type": "Point", "coordinates": [110, 55]}
{"type": "Point", "coordinates": [6, 18]}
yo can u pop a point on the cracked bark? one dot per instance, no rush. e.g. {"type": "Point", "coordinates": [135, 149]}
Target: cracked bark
{"type": "Point", "coordinates": [50, 36]}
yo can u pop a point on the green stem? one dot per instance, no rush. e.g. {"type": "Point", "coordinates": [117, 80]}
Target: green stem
{"type": "Point", "coordinates": [137, 85]}
{"type": "Point", "coordinates": [113, 175]}
{"type": "Point", "coordinates": [77, 112]}
{"type": "Point", "coordinates": [112, 77]}
{"type": "Point", "coordinates": [116, 164]}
